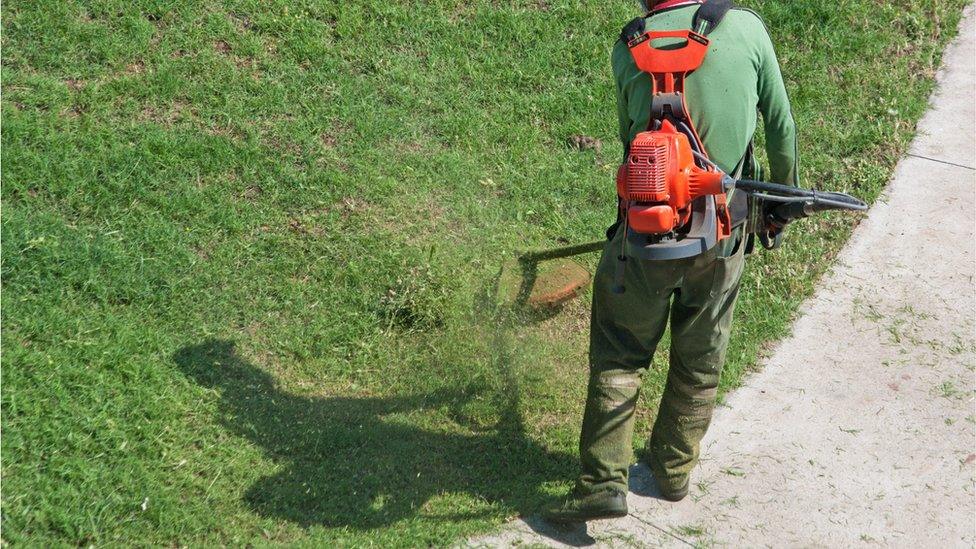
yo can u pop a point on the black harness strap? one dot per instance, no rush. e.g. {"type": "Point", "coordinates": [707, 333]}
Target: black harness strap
{"type": "Point", "coordinates": [709, 15]}
{"type": "Point", "coordinates": [632, 29]}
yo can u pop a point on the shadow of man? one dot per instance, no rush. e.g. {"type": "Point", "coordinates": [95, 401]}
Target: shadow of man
{"type": "Point", "coordinates": [366, 462]}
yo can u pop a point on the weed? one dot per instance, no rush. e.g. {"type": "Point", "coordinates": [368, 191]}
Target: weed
{"type": "Point", "coordinates": [948, 389]}
{"type": "Point", "coordinates": [416, 301]}
{"type": "Point", "coordinates": [691, 530]}
{"type": "Point", "coordinates": [731, 502]}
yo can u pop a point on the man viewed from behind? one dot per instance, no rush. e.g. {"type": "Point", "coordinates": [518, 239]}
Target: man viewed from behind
{"type": "Point", "coordinates": [739, 75]}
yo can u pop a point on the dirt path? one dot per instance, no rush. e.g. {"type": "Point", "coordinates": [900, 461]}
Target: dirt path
{"type": "Point", "coordinates": [861, 428]}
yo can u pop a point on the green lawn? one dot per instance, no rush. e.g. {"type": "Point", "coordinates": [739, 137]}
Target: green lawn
{"type": "Point", "coordinates": [247, 246]}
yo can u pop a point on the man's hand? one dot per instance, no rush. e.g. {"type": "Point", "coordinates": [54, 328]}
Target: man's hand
{"type": "Point", "coordinates": [772, 231]}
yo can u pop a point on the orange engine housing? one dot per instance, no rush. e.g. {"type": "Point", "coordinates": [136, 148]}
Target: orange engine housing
{"type": "Point", "coordinates": [660, 179]}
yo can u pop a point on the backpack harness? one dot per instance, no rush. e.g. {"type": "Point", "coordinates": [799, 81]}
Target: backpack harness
{"type": "Point", "coordinates": [671, 196]}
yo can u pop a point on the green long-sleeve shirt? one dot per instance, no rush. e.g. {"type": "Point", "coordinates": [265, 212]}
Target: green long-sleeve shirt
{"type": "Point", "coordinates": [739, 74]}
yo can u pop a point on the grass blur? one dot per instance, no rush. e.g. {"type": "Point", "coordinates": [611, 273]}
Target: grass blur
{"type": "Point", "coordinates": [246, 246]}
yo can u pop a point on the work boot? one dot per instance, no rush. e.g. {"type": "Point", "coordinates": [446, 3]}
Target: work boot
{"type": "Point", "coordinates": [676, 494]}
{"type": "Point", "coordinates": [578, 507]}
{"type": "Point", "coordinates": [671, 491]}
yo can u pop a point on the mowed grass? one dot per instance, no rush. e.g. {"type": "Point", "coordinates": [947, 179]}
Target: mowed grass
{"type": "Point", "coordinates": [248, 252]}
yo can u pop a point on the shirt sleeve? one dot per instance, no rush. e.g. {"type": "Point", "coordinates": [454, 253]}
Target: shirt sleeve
{"type": "Point", "coordinates": [780, 128]}
{"type": "Point", "coordinates": [623, 112]}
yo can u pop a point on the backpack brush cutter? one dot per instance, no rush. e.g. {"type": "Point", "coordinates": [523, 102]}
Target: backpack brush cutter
{"type": "Point", "coordinates": [673, 201]}
{"type": "Point", "coordinates": [549, 278]}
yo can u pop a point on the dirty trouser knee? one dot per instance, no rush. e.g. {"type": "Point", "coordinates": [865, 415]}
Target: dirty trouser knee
{"type": "Point", "coordinates": [701, 319]}
{"type": "Point", "coordinates": [624, 331]}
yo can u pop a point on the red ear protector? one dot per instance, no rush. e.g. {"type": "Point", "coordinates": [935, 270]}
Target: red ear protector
{"type": "Point", "coordinates": [662, 5]}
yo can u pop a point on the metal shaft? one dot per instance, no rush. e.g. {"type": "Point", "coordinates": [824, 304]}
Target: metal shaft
{"type": "Point", "coordinates": [565, 251]}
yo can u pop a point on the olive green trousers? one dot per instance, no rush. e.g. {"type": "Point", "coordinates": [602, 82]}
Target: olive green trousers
{"type": "Point", "coordinates": [698, 295]}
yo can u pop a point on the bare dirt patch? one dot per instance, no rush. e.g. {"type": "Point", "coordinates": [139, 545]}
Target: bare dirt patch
{"type": "Point", "coordinates": [584, 143]}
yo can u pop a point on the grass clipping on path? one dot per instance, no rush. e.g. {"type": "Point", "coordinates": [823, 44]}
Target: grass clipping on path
{"type": "Point", "coordinates": [246, 248]}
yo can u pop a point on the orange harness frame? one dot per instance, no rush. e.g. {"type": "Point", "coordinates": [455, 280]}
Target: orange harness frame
{"type": "Point", "coordinates": [667, 169]}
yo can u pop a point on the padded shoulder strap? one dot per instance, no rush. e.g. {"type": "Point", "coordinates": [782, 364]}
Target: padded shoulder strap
{"type": "Point", "coordinates": [709, 15]}
{"type": "Point", "coordinates": [632, 30]}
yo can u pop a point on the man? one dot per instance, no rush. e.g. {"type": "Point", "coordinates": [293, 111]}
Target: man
{"type": "Point", "coordinates": [740, 73]}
